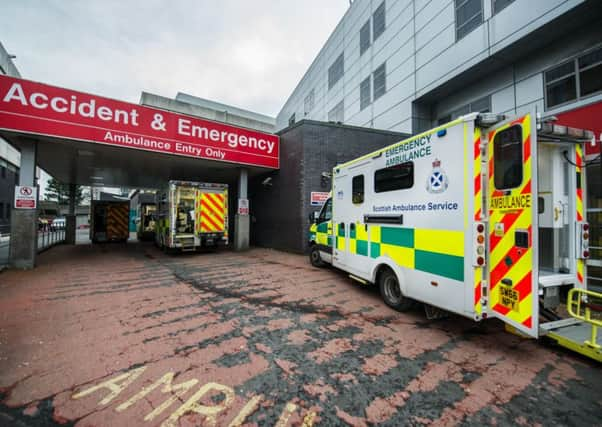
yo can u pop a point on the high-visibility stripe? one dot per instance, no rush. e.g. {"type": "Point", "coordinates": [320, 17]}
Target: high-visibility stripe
{"type": "Point", "coordinates": [213, 207]}
{"type": "Point", "coordinates": [478, 198]}
{"type": "Point", "coordinates": [207, 210]}
{"type": "Point", "coordinates": [212, 212]}
{"type": "Point", "coordinates": [448, 242]}
{"type": "Point", "coordinates": [207, 223]}
{"type": "Point", "coordinates": [579, 207]}
{"type": "Point", "coordinates": [507, 261]}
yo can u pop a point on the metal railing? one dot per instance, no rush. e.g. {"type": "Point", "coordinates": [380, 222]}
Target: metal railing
{"type": "Point", "coordinates": [46, 239]}
{"type": "Point", "coordinates": [580, 305]}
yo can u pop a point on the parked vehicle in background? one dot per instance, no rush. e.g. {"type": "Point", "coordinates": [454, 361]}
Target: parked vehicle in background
{"type": "Point", "coordinates": [109, 221]}
{"type": "Point", "coordinates": [191, 215]}
{"type": "Point", "coordinates": [58, 223]}
{"type": "Point", "coordinates": [144, 209]}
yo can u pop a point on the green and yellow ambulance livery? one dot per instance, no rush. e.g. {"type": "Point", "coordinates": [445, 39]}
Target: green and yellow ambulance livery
{"type": "Point", "coordinates": [482, 217]}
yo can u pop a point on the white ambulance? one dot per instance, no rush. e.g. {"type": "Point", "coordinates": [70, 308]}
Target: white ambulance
{"type": "Point", "coordinates": [483, 217]}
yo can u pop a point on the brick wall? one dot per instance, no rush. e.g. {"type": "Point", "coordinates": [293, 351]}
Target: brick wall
{"type": "Point", "coordinates": [280, 209]}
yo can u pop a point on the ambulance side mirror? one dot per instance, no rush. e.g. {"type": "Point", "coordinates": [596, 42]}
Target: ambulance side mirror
{"type": "Point", "coordinates": [313, 217]}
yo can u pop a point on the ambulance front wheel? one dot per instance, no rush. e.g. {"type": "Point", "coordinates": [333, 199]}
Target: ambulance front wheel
{"type": "Point", "coordinates": [391, 292]}
{"type": "Point", "coordinates": [314, 257]}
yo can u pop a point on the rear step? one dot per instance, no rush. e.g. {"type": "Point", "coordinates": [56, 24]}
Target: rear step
{"type": "Point", "coordinates": [579, 332]}
{"type": "Point", "coordinates": [573, 334]}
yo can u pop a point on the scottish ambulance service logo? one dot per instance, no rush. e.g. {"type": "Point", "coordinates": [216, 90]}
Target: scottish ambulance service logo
{"type": "Point", "coordinates": [437, 182]}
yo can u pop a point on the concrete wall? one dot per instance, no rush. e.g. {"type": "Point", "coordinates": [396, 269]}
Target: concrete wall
{"type": "Point", "coordinates": [6, 63]}
{"type": "Point", "coordinates": [280, 209]}
{"type": "Point", "coordinates": [199, 107]}
{"type": "Point", "coordinates": [422, 54]}
{"type": "Point", "coordinates": [518, 86]}
{"type": "Point", "coordinates": [9, 156]}
{"type": "Point", "coordinates": [8, 180]}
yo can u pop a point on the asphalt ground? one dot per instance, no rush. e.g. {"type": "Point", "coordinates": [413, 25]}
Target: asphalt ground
{"type": "Point", "coordinates": [123, 335]}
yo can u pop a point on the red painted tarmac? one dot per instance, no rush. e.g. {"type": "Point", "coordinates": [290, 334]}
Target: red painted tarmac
{"type": "Point", "coordinates": [123, 335]}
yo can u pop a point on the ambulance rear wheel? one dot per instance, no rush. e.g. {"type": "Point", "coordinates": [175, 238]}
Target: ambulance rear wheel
{"type": "Point", "coordinates": [315, 258]}
{"type": "Point", "coordinates": [391, 292]}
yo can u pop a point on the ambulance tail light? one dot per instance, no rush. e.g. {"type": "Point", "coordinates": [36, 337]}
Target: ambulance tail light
{"type": "Point", "coordinates": [582, 240]}
{"type": "Point", "coordinates": [478, 256]}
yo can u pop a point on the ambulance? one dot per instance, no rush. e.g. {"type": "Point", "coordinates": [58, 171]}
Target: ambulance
{"type": "Point", "coordinates": [191, 215]}
{"type": "Point", "coordinates": [109, 220]}
{"type": "Point", "coordinates": [482, 217]}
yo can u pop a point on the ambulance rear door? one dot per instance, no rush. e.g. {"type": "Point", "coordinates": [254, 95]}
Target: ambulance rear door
{"type": "Point", "coordinates": [512, 209]}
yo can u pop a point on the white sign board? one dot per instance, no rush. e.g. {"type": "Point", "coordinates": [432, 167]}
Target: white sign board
{"type": "Point", "coordinates": [25, 197]}
{"type": "Point", "coordinates": [318, 198]}
{"type": "Point", "coordinates": [243, 206]}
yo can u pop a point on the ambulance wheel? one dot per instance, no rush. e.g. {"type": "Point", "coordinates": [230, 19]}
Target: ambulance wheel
{"type": "Point", "coordinates": [315, 258]}
{"type": "Point", "coordinates": [391, 292]}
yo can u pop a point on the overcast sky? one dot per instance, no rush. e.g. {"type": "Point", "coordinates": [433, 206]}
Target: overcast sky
{"type": "Point", "coordinates": [248, 53]}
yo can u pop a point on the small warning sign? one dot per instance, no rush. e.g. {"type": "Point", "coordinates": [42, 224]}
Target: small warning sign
{"type": "Point", "coordinates": [243, 206]}
{"type": "Point", "coordinates": [25, 197]}
{"type": "Point", "coordinates": [318, 198]}
{"type": "Point", "coordinates": [509, 297]}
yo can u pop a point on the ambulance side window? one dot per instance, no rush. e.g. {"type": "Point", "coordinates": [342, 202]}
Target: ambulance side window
{"type": "Point", "coordinates": [396, 177]}
{"type": "Point", "coordinates": [326, 212]}
{"type": "Point", "coordinates": [508, 158]}
{"type": "Point", "coordinates": [357, 189]}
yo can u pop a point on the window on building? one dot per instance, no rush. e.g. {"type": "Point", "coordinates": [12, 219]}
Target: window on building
{"type": "Point", "coordinates": [3, 171]}
{"type": "Point", "coordinates": [575, 79]}
{"type": "Point", "coordinates": [508, 158]}
{"type": "Point", "coordinates": [397, 177]}
{"type": "Point", "coordinates": [357, 189]}
{"type": "Point", "coordinates": [337, 113]}
{"type": "Point", "coordinates": [291, 120]}
{"type": "Point", "coordinates": [380, 81]}
{"type": "Point", "coordinates": [379, 21]}
{"type": "Point", "coordinates": [309, 102]}
{"type": "Point", "coordinates": [2, 210]}
{"type": "Point", "coordinates": [365, 93]}
{"type": "Point", "coordinates": [481, 105]}
{"type": "Point", "coordinates": [500, 4]}
{"type": "Point", "coordinates": [444, 119]}
{"type": "Point", "coordinates": [561, 84]}
{"type": "Point", "coordinates": [335, 72]}
{"type": "Point", "coordinates": [365, 37]}
{"type": "Point", "coordinates": [469, 15]}
{"type": "Point", "coordinates": [590, 73]}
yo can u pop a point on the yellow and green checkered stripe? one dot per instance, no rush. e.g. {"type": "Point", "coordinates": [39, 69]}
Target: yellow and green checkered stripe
{"type": "Point", "coordinates": [439, 252]}
{"type": "Point", "coordinates": [319, 233]}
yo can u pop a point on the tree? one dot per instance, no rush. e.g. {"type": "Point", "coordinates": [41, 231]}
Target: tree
{"type": "Point", "coordinates": [59, 192]}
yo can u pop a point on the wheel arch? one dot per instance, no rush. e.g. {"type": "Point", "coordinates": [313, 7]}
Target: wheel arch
{"type": "Point", "coordinates": [384, 263]}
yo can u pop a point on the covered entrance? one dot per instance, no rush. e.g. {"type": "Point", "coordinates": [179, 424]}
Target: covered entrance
{"type": "Point", "coordinates": [83, 139]}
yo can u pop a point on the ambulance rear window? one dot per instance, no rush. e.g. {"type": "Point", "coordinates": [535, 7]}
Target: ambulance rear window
{"type": "Point", "coordinates": [508, 158]}
{"type": "Point", "coordinates": [396, 177]}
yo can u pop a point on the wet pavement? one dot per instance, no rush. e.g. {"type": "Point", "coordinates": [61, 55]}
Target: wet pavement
{"type": "Point", "coordinates": [123, 335]}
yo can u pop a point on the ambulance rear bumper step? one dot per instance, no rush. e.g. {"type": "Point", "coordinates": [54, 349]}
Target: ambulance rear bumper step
{"type": "Point", "coordinates": [572, 334]}
{"type": "Point", "coordinates": [550, 279]}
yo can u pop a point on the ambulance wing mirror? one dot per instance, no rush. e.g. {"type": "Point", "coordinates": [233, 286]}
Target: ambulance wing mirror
{"type": "Point", "coordinates": [313, 217]}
